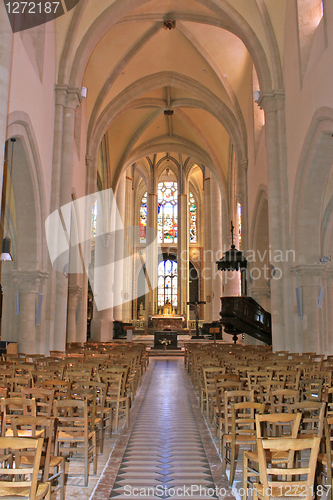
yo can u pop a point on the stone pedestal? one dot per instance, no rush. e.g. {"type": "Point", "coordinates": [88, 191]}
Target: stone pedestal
{"type": "Point", "coordinates": [27, 284]}
{"type": "Point", "coordinates": [73, 300]}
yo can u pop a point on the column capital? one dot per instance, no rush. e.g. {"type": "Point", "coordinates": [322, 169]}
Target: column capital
{"type": "Point", "coordinates": [89, 159]}
{"type": "Point", "coordinates": [261, 292]}
{"type": "Point", "coordinates": [74, 290]}
{"type": "Point", "coordinates": [309, 274]}
{"type": "Point", "coordinates": [28, 281]}
{"type": "Point", "coordinates": [73, 99]}
{"type": "Point", "coordinates": [61, 94]}
{"type": "Point", "coordinates": [271, 101]}
{"type": "Point", "coordinates": [244, 164]}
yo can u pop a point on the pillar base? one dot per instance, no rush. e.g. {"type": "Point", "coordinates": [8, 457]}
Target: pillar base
{"type": "Point", "coordinates": [101, 330]}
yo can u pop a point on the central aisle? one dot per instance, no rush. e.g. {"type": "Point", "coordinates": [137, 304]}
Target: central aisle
{"type": "Point", "coordinates": [165, 457]}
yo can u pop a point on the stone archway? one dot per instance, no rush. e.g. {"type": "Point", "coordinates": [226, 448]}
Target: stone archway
{"type": "Point", "coordinates": [260, 271]}
{"type": "Point", "coordinates": [309, 273]}
{"type": "Point", "coordinates": [22, 280]}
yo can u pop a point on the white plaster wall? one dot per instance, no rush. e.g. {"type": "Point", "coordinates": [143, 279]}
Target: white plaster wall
{"type": "Point", "coordinates": [36, 97]}
{"type": "Point", "coordinates": [303, 98]}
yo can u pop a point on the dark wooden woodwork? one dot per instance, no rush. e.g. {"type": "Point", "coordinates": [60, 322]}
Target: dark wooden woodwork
{"type": "Point", "coordinates": [244, 315]}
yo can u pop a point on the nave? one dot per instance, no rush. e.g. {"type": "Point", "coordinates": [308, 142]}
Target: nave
{"type": "Point", "coordinates": [170, 452]}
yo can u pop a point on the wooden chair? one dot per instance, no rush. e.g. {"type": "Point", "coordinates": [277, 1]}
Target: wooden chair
{"type": "Point", "coordinates": [242, 433]}
{"type": "Point", "coordinates": [103, 415]}
{"type": "Point", "coordinates": [116, 397]}
{"type": "Point", "coordinates": [15, 384]}
{"type": "Point", "coordinates": [312, 422]}
{"type": "Point", "coordinates": [264, 423]}
{"type": "Point", "coordinates": [14, 482]}
{"type": "Point", "coordinates": [266, 389]}
{"type": "Point", "coordinates": [44, 400]}
{"type": "Point", "coordinates": [221, 387]}
{"type": "Point", "coordinates": [290, 378]}
{"type": "Point", "coordinates": [280, 402]}
{"type": "Point", "coordinates": [287, 479]}
{"type": "Point", "coordinates": [73, 436]}
{"type": "Point", "coordinates": [60, 387]}
{"type": "Point", "coordinates": [208, 390]}
{"type": "Point", "coordinates": [34, 425]}
{"type": "Point", "coordinates": [325, 459]}
{"type": "Point", "coordinates": [256, 378]}
{"type": "Point", "coordinates": [311, 389]}
{"type": "Point", "coordinates": [13, 407]}
{"type": "Point", "coordinates": [228, 398]}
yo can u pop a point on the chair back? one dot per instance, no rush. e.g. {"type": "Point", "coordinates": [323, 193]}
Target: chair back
{"type": "Point", "coordinates": [34, 425]}
{"type": "Point", "coordinates": [43, 397]}
{"type": "Point", "coordinates": [287, 479]}
{"type": "Point", "coordinates": [14, 486]}
{"type": "Point", "coordinates": [313, 413]}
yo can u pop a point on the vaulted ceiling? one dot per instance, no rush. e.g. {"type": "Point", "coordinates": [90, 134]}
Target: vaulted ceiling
{"type": "Point", "coordinates": [200, 72]}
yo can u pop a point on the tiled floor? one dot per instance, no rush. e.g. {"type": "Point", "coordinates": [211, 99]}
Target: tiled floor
{"type": "Point", "coordinates": [164, 454]}
{"type": "Point", "coordinates": [168, 451]}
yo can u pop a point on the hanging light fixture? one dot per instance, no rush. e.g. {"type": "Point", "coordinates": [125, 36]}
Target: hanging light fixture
{"type": "Point", "coordinates": [5, 255]}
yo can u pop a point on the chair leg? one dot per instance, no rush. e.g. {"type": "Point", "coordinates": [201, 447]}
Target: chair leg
{"type": "Point", "coordinates": [117, 417]}
{"type": "Point", "coordinates": [128, 412]}
{"type": "Point", "coordinates": [62, 480]}
{"type": "Point", "coordinates": [245, 474]}
{"type": "Point", "coordinates": [224, 456]}
{"type": "Point", "coordinates": [48, 494]}
{"type": "Point", "coordinates": [329, 483]}
{"type": "Point", "coordinates": [232, 463]}
{"type": "Point", "coordinates": [95, 454]}
{"type": "Point", "coordinates": [86, 463]}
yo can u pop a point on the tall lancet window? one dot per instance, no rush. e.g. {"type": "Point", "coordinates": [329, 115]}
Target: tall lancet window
{"type": "Point", "coordinates": [143, 218]}
{"type": "Point", "coordinates": [167, 220]}
{"type": "Point", "coordinates": [167, 283]}
{"type": "Point", "coordinates": [193, 219]}
{"type": "Point", "coordinates": [94, 220]}
{"type": "Point", "coordinates": [239, 216]}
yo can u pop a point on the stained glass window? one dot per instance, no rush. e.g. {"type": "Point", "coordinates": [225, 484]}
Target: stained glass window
{"type": "Point", "coordinates": [167, 283]}
{"type": "Point", "coordinates": [143, 218]}
{"type": "Point", "coordinates": [167, 212]}
{"type": "Point", "coordinates": [193, 219]}
{"type": "Point", "coordinates": [94, 220]}
{"type": "Point", "coordinates": [239, 215]}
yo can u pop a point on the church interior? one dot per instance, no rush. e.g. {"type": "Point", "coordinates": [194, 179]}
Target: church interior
{"type": "Point", "coordinates": [166, 193]}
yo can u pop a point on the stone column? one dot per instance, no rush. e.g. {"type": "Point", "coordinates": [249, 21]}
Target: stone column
{"type": "Point", "coordinates": [66, 180]}
{"type": "Point", "coordinates": [183, 255]}
{"type": "Point", "coordinates": [118, 284]}
{"type": "Point", "coordinates": [208, 257]}
{"type": "Point", "coordinates": [28, 285]}
{"type": "Point", "coordinates": [73, 300]}
{"type": "Point", "coordinates": [9, 323]}
{"type": "Point", "coordinates": [61, 189]}
{"type": "Point", "coordinates": [129, 249]}
{"type": "Point", "coordinates": [102, 322]}
{"type": "Point", "coordinates": [5, 69]}
{"type": "Point", "coordinates": [308, 340]}
{"type": "Point", "coordinates": [328, 302]}
{"type": "Point", "coordinates": [216, 231]}
{"type": "Point", "coordinates": [278, 204]}
{"type": "Point", "coordinates": [151, 251]}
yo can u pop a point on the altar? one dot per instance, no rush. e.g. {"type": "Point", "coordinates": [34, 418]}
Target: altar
{"type": "Point", "coordinates": [167, 319]}
{"type": "Point", "coordinates": [173, 322]}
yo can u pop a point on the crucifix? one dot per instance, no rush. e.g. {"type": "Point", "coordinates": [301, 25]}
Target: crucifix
{"type": "Point", "coordinates": [196, 312]}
